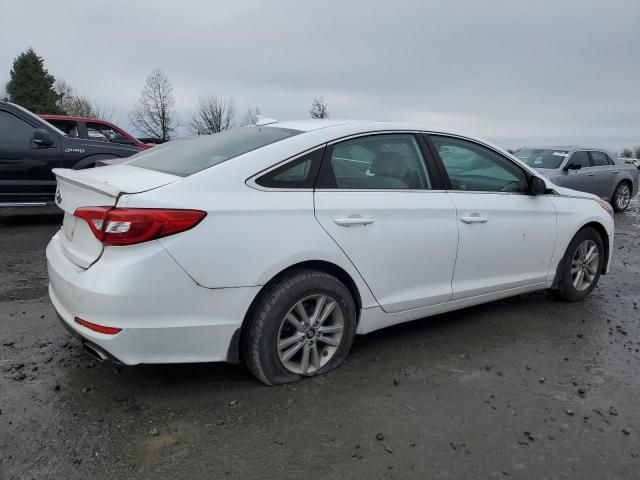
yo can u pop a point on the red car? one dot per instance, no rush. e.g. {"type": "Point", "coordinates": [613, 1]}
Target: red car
{"type": "Point", "coordinates": [94, 129]}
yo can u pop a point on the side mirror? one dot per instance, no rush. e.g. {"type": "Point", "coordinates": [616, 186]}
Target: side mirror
{"type": "Point", "coordinates": [572, 166]}
{"type": "Point", "coordinates": [42, 138]}
{"type": "Point", "coordinates": [537, 186]}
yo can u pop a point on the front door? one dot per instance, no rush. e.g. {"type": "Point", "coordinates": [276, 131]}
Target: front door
{"type": "Point", "coordinates": [25, 168]}
{"type": "Point", "coordinates": [376, 198]}
{"type": "Point", "coordinates": [507, 236]}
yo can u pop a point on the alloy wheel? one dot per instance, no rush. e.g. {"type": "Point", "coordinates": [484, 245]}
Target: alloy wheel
{"type": "Point", "coordinates": [310, 334]}
{"type": "Point", "coordinates": [623, 196]}
{"type": "Point", "coordinates": [584, 265]}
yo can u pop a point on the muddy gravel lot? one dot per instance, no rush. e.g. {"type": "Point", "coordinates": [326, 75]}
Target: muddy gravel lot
{"type": "Point", "coordinates": [525, 388]}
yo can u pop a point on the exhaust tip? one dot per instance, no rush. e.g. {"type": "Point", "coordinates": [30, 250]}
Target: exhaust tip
{"type": "Point", "coordinates": [94, 352]}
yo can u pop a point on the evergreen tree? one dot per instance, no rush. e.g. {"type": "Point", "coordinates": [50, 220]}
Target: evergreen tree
{"type": "Point", "coordinates": [31, 85]}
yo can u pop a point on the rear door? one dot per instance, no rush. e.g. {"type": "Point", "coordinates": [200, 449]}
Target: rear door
{"type": "Point", "coordinates": [25, 168]}
{"type": "Point", "coordinates": [603, 172]}
{"type": "Point", "coordinates": [583, 179]}
{"type": "Point", "coordinates": [507, 237]}
{"type": "Point", "coordinates": [385, 208]}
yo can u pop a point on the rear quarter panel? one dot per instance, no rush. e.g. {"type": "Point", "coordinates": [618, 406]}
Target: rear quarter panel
{"type": "Point", "coordinates": [248, 235]}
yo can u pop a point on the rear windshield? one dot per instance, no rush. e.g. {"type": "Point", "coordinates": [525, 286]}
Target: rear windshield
{"type": "Point", "coordinates": [186, 157]}
{"type": "Point", "coordinates": [542, 157]}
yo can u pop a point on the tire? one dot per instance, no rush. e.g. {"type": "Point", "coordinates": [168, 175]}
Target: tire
{"type": "Point", "coordinates": [621, 197]}
{"type": "Point", "coordinates": [278, 317]}
{"type": "Point", "coordinates": [569, 288]}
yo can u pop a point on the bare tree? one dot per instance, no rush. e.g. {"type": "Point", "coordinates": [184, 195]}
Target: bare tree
{"type": "Point", "coordinates": [626, 153]}
{"type": "Point", "coordinates": [636, 151]}
{"type": "Point", "coordinates": [154, 115]}
{"type": "Point", "coordinates": [213, 115]}
{"type": "Point", "coordinates": [250, 117]}
{"type": "Point", "coordinates": [4, 95]}
{"type": "Point", "coordinates": [74, 104]}
{"type": "Point", "coordinates": [319, 108]}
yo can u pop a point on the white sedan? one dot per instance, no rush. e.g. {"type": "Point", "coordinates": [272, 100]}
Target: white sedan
{"type": "Point", "coordinates": [279, 243]}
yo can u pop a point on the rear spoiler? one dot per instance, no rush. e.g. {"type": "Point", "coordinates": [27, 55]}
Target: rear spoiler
{"type": "Point", "coordinates": [76, 177]}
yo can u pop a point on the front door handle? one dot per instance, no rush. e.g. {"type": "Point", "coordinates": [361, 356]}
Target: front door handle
{"type": "Point", "coordinates": [590, 174]}
{"type": "Point", "coordinates": [474, 219]}
{"type": "Point", "coordinates": [350, 221]}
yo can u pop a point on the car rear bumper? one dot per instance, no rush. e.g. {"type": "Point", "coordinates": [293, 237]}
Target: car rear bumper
{"type": "Point", "coordinates": [164, 315]}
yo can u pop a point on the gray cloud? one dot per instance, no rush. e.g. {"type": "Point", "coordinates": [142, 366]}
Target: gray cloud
{"type": "Point", "coordinates": [516, 72]}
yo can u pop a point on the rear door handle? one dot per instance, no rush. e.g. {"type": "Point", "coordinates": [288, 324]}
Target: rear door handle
{"type": "Point", "coordinates": [590, 174]}
{"type": "Point", "coordinates": [474, 219]}
{"type": "Point", "coordinates": [350, 221]}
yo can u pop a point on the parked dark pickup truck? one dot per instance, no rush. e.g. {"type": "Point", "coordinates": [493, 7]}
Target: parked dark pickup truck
{"type": "Point", "coordinates": [30, 148]}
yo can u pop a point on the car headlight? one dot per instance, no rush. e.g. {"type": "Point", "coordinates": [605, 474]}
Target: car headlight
{"type": "Point", "coordinates": [606, 205]}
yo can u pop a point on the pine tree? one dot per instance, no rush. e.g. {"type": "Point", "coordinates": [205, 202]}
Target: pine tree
{"type": "Point", "coordinates": [31, 85]}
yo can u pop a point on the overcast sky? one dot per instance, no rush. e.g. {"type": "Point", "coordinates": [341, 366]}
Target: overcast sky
{"type": "Point", "coordinates": [515, 72]}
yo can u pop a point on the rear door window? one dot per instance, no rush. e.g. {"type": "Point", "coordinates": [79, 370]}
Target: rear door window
{"type": "Point", "coordinates": [186, 157]}
{"type": "Point", "coordinates": [376, 162]}
{"type": "Point", "coordinates": [69, 127]}
{"type": "Point", "coordinates": [599, 159]}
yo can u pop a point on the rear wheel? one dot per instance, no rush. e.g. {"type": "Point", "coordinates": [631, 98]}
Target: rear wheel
{"type": "Point", "coordinates": [621, 197]}
{"type": "Point", "coordinates": [579, 269]}
{"type": "Point", "coordinates": [303, 325]}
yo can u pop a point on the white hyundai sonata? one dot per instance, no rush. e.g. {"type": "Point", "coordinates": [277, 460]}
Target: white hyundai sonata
{"type": "Point", "coordinates": [279, 243]}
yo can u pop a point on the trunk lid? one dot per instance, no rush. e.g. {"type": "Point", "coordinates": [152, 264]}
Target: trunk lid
{"type": "Point", "coordinates": [96, 187]}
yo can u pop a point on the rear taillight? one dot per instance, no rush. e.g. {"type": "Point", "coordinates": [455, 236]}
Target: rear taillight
{"type": "Point", "coordinates": [127, 226]}
{"type": "Point", "coordinates": [98, 328]}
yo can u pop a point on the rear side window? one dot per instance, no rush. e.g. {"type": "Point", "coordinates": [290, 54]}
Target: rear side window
{"type": "Point", "coordinates": [599, 159]}
{"type": "Point", "coordinates": [299, 173]}
{"type": "Point", "coordinates": [69, 127]}
{"type": "Point", "coordinates": [185, 158]}
{"type": "Point", "coordinates": [376, 162]}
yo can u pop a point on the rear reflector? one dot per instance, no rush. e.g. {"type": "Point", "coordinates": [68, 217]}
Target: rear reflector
{"type": "Point", "coordinates": [128, 226]}
{"type": "Point", "coordinates": [98, 328]}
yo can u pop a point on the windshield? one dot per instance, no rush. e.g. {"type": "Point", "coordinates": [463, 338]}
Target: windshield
{"type": "Point", "coordinates": [542, 157]}
{"type": "Point", "coordinates": [186, 157]}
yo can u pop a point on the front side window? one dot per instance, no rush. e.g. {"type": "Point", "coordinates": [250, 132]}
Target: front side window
{"type": "Point", "coordinates": [579, 158]}
{"type": "Point", "coordinates": [14, 133]}
{"type": "Point", "coordinates": [473, 167]}
{"type": "Point", "coordinates": [380, 162]}
{"type": "Point", "coordinates": [186, 157]}
{"type": "Point", "coordinates": [599, 159]}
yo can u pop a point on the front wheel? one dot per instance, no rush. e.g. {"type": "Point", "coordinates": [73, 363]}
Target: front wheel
{"type": "Point", "coordinates": [621, 197]}
{"type": "Point", "coordinates": [579, 269]}
{"type": "Point", "coordinates": [302, 325]}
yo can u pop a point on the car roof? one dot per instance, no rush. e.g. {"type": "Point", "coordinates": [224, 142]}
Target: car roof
{"type": "Point", "coordinates": [75, 119]}
{"type": "Point", "coordinates": [565, 147]}
{"type": "Point", "coordinates": [310, 125]}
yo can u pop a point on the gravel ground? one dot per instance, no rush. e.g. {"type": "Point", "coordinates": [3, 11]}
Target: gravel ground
{"type": "Point", "coordinates": [527, 388]}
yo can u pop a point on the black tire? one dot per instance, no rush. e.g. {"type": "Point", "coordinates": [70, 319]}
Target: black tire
{"type": "Point", "coordinates": [565, 287]}
{"type": "Point", "coordinates": [619, 205]}
{"type": "Point", "coordinates": [260, 334]}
